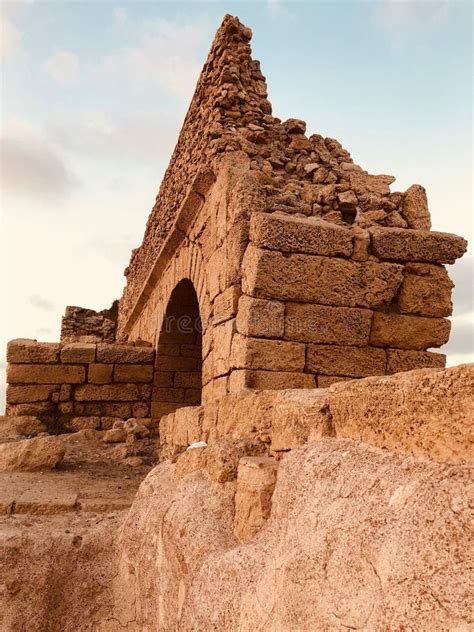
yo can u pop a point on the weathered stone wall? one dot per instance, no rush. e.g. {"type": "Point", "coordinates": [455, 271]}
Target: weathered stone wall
{"type": "Point", "coordinates": [79, 384]}
{"type": "Point", "coordinates": [315, 176]}
{"type": "Point", "coordinates": [80, 324]}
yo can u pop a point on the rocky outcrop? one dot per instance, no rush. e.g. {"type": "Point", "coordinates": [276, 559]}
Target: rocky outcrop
{"type": "Point", "coordinates": [31, 454]}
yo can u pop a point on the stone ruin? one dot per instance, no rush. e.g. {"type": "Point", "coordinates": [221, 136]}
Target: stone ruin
{"type": "Point", "coordinates": [270, 260]}
{"type": "Point", "coordinates": [302, 485]}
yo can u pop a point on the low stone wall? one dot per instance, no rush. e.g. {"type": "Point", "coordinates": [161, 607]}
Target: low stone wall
{"type": "Point", "coordinates": [426, 413]}
{"type": "Point", "coordinates": [79, 384]}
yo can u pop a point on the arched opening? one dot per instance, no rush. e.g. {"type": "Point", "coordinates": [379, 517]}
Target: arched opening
{"type": "Point", "coordinates": [178, 365]}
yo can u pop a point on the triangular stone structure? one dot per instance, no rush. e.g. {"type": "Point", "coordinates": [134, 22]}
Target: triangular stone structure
{"type": "Point", "coordinates": [303, 268]}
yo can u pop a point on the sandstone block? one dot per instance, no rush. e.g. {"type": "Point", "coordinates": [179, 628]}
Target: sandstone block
{"type": "Point", "coordinates": [163, 378]}
{"type": "Point", "coordinates": [27, 351]}
{"type": "Point", "coordinates": [45, 374]}
{"type": "Point", "coordinates": [188, 379]}
{"type": "Point", "coordinates": [114, 353]}
{"type": "Point", "coordinates": [83, 423]}
{"type": "Point", "coordinates": [168, 394]}
{"type": "Point", "coordinates": [30, 408]}
{"type": "Point", "coordinates": [398, 360]}
{"type": "Point", "coordinates": [107, 392]}
{"type": "Point", "coordinates": [323, 280]}
{"type": "Point", "coordinates": [311, 235]}
{"type": "Point", "coordinates": [242, 379]}
{"type": "Point", "coordinates": [46, 501]}
{"type": "Point", "coordinates": [256, 479]}
{"type": "Point", "coordinates": [65, 392]}
{"type": "Point", "coordinates": [345, 361]}
{"type": "Point", "coordinates": [185, 426]}
{"type": "Point", "coordinates": [324, 381]}
{"type": "Point", "coordinates": [403, 244]}
{"type": "Point", "coordinates": [141, 410]}
{"type": "Point", "coordinates": [223, 456]}
{"type": "Point", "coordinates": [100, 373]}
{"type": "Point", "coordinates": [169, 349]}
{"type": "Point", "coordinates": [415, 207]}
{"type": "Point", "coordinates": [26, 394]}
{"type": "Point", "coordinates": [327, 325]}
{"type": "Point", "coordinates": [31, 454]}
{"type": "Point", "coordinates": [426, 290]}
{"type": "Point", "coordinates": [192, 396]}
{"type": "Point", "coordinates": [225, 304]}
{"type": "Point", "coordinates": [272, 355]}
{"type": "Point", "coordinates": [261, 318]}
{"type": "Point", "coordinates": [133, 373]}
{"type": "Point", "coordinates": [408, 332]}
{"type": "Point", "coordinates": [115, 435]}
{"type": "Point", "coordinates": [221, 345]}
{"type": "Point", "coordinates": [175, 363]}
{"type": "Point", "coordinates": [193, 351]}
{"type": "Point", "coordinates": [78, 352]}
{"type": "Point", "coordinates": [103, 409]}
{"type": "Point", "coordinates": [426, 413]}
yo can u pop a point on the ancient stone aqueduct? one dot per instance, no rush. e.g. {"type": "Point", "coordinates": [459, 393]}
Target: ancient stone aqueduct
{"type": "Point", "coordinates": [303, 269]}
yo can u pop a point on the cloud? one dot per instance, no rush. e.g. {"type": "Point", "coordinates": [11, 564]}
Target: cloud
{"type": "Point", "coordinates": [30, 166]}
{"type": "Point", "coordinates": [142, 139]}
{"type": "Point", "coordinates": [462, 274]}
{"type": "Point", "coordinates": [461, 341]}
{"type": "Point", "coordinates": [41, 303]}
{"type": "Point", "coordinates": [394, 15]}
{"type": "Point", "coordinates": [120, 16]}
{"type": "Point", "coordinates": [9, 37]}
{"type": "Point", "coordinates": [62, 67]}
{"type": "Point", "coordinates": [165, 53]}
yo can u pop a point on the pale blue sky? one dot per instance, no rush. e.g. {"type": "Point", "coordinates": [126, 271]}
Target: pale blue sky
{"type": "Point", "coordinates": [94, 93]}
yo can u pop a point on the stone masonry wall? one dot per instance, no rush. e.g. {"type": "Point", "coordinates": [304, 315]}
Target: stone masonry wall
{"type": "Point", "coordinates": [311, 176]}
{"type": "Point", "coordinates": [79, 384]}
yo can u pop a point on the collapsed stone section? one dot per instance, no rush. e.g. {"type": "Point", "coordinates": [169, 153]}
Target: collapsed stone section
{"type": "Point", "coordinates": [80, 324]}
{"type": "Point", "coordinates": [79, 385]}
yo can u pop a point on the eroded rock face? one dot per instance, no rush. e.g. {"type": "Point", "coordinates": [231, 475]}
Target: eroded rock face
{"type": "Point", "coordinates": [357, 538]}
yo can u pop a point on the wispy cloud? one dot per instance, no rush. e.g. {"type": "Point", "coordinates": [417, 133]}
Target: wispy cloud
{"type": "Point", "coordinates": [9, 37]}
{"type": "Point", "coordinates": [41, 303]}
{"type": "Point", "coordinates": [394, 15]}
{"type": "Point", "coordinates": [63, 68]}
{"type": "Point", "coordinates": [166, 53]}
{"type": "Point", "coordinates": [30, 165]}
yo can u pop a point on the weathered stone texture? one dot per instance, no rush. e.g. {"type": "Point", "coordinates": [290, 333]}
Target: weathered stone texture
{"type": "Point", "coordinates": [426, 290]}
{"type": "Point", "coordinates": [327, 325]}
{"type": "Point", "coordinates": [30, 351]}
{"type": "Point", "coordinates": [408, 332]}
{"type": "Point", "coordinates": [343, 360]}
{"type": "Point", "coordinates": [324, 280]}
{"type": "Point", "coordinates": [45, 374]}
{"type": "Point", "coordinates": [417, 245]}
{"type": "Point", "coordinates": [276, 355]}
{"type": "Point", "coordinates": [259, 317]}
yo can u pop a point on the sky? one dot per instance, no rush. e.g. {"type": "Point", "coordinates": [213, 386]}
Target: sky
{"type": "Point", "coordinates": [93, 95]}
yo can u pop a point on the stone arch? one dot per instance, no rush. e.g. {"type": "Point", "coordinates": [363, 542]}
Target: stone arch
{"type": "Point", "coordinates": [178, 363]}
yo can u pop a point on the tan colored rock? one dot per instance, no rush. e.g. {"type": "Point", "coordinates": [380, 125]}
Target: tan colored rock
{"type": "Point", "coordinates": [133, 373]}
{"type": "Point", "coordinates": [325, 381]}
{"type": "Point", "coordinates": [330, 325]}
{"type": "Point", "coordinates": [25, 351]}
{"type": "Point", "coordinates": [25, 426]}
{"type": "Point", "coordinates": [45, 374]}
{"type": "Point", "coordinates": [190, 461]}
{"type": "Point", "coordinates": [115, 435]}
{"type": "Point", "coordinates": [287, 233]}
{"type": "Point", "coordinates": [325, 280]}
{"type": "Point", "coordinates": [85, 423]}
{"type": "Point", "coordinates": [78, 352]}
{"type": "Point", "coordinates": [427, 413]}
{"type": "Point", "coordinates": [426, 290]}
{"type": "Point", "coordinates": [273, 355]}
{"type": "Point", "coordinates": [399, 360]}
{"type": "Point", "coordinates": [408, 332]}
{"type": "Point", "coordinates": [115, 353]}
{"type": "Point", "coordinates": [261, 318]}
{"type": "Point", "coordinates": [242, 379]}
{"type": "Point", "coordinates": [33, 393]}
{"type": "Point", "coordinates": [415, 207]}
{"type": "Point", "coordinates": [107, 392]}
{"type": "Point", "coordinates": [225, 304]}
{"type": "Point", "coordinates": [100, 373]}
{"type": "Point", "coordinates": [256, 479]}
{"type": "Point", "coordinates": [345, 361]}
{"type": "Point", "coordinates": [416, 245]}
{"type": "Point", "coordinates": [31, 454]}
{"type": "Point", "coordinates": [223, 456]}
{"type": "Point", "coordinates": [48, 502]}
